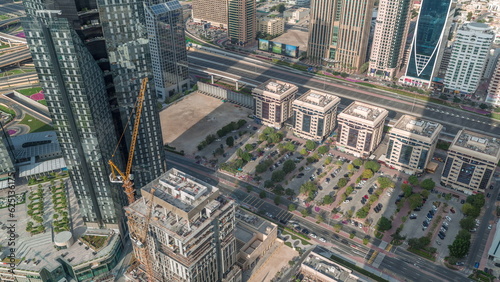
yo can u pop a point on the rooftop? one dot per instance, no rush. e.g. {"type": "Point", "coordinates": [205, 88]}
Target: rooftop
{"type": "Point", "coordinates": [328, 268]}
{"type": "Point", "coordinates": [276, 86]}
{"type": "Point", "coordinates": [318, 98]}
{"type": "Point", "coordinates": [416, 125]}
{"type": "Point", "coordinates": [364, 111]}
{"type": "Point", "coordinates": [478, 142]}
{"type": "Point", "coordinates": [182, 203]}
{"type": "Point", "coordinates": [254, 222]}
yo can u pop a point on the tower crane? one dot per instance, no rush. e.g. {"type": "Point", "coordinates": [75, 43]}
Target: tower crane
{"type": "Point", "coordinates": [126, 177]}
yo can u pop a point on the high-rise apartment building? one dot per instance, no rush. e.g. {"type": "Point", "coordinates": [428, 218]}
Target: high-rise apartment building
{"type": "Point", "coordinates": [412, 142]}
{"type": "Point", "coordinates": [167, 43]}
{"type": "Point", "coordinates": [78, 103]}
{"type": "Point", "coordinates": [360, 128]}
{"type": "Point", "coordinates": [428, 43]}
{"type": "Point", "coordinates": [273, 102]}
{"type": "Point", "coordinates": [471, 162]}
{"type": "Point", "coordinates": [242, 21]}
{"type": "Point", "coordinates": [6, 156]}
{"type": "Point", "coordinates": [314, 115]}
{"type": "Point", "coordinates": [271, 26]}
{"type": "Point", "coordinates": [209, 11]}
{"type": "Point", "coordinates": [191, 231]}
{"type": "Point", "coordinates": [389, 40]}
{"type": "Point", "coordinates": [339, 32]}
{"type": "Point", "coordinates": [493, 96]}
{"type": "Point", "coordinates": [107, 51]}
{"type": "Point", "coordinates": [468, 58]}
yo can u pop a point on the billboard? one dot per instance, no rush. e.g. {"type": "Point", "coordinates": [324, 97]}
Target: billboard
{"type": "Point", "coordinates": [279, 48]}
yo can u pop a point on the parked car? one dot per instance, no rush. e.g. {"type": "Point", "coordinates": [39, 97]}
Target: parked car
{"type": "Point", "coordinates": [312, 235]}
{"type": "Point", "coordinates": [413, 216]}
{"type": "Point", "coordinates": [448, 218]}
{"type": "Point", "coordinates": [322, 240]}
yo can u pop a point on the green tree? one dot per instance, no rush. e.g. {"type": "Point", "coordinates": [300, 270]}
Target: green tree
{"type": "Point", "coordinates": [428, 184]}
{"type": "Point", "coordinates": [425, 194]}
{"type": "Point", "coordinates": [303, 151]}
{"type": "Point", "coordinates": [469, 210]}
{"type": "Point", "coordinates": [413, 179]}
{"type": "Point", "coordinates": [262, 194]}
{"type": "Point", "coordinates": [278, 176]}
{"type": "Point", "coordinates": [415, 201]}
{"type": "Point", "coordinates": [319, 218]}
{"type": "Point", "coordinates": [327, 199]}
{"type": "Point", "coordinates": [384, 182]}
{"type": "Point", "coordinates": [372, 165]}
{"type": "Point", "coordinates": [291, 207]}
{"type": "Point", "coordinates": [230, 141]}
{"type": "Point", "coordinates": [246, 156]}
{"type": "Point", "coordinates": [268, 183]}
{"type": "Point", "coordinates": [279, 190]}
{"type": "Point", "coordinates": [467, 223]}
{"type": "Point", "coordinates": [310, 145]}
{"type": "Point", "coordinates": [305, 212]}
{"type": "Point", "coordinates": [308, 187]}
{"type": "Point", "coordinates": [289, 192]}
{"type": "Point", "coordinates": [469, 16]}
{"type": "Point", "coordinates": [384, 224]}
{"type": "Point", "coordinates": [357, 162]}
{"type": "Point", "coordinates": [349, 190]}
{"type": "Point", "coordinates": [277, 200]}
{"type": "Point", "coordinates": [328, 160]}
{"type": "Point", "coordinates": [350, 167]}
{"type": "Point", "coordinates": [463, 234]}
{"type": "Point", "coordinates": [407, 190]}
{"type": "Point", "coordinates": [323, 149]}
{"type": "Point", "coordinates": [367, 173]}
{"type": "Point", "coordinates": [459, 248]}
{"type": "Point", "coordinates": [476, 200]}
{"type": "Point", "coordinates": [342, 182]}
{"type": "Point", "coordinates": [288, 166]}
{"type": "Point", "coordinates": [249, 147]}
{"type": "Point", "coordinates": [363, 212]}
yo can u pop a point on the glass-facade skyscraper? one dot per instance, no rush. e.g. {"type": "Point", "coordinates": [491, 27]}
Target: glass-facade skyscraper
{"type": "Point", "coordinates": [428, 42]}
{"type": "Point", "coordinates": [6, 157]}
{"type": "Point", "coordinates": [91, 57]}
{"type": "Point", "coordinates": [165, 25]}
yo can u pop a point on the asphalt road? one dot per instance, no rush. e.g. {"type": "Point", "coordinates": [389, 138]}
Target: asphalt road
{"type": "Point", "coordinates": [427, 271]}
{"type": "Point", "coordinates": [247, 70]}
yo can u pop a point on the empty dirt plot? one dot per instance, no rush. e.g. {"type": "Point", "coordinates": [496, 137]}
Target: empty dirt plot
{"type": "Point", "coordinates": [185, 124]}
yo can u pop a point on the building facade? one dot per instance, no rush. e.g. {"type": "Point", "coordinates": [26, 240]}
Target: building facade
{"type": "Point", "coordinates": [493, 96]}
{"type": "Point", "coordinates": [6, 154]}
{"type": "Point", "coordinates": [167, 43]}
{"type": "Point", "coordinates": [468, 58]}
{"type": "Point", "coordinates": [242, 21]}
{"type": "Point", "coordinates": [360, 128]}
{"type": "Point", "coordinates": [191, 230]}
{"type": "Point", "coordinates": [471, 162]}
{"type": "Point", "coordinates": [314, 115]}
{"type": "Point", "coordinates": [271, 26]}
{"type": "Point", "coordinates": [209, 11]}
{"type": "Point", "coordinates": [412, 142]}
{"type": "Point", "coordinates": [339, 33]}
{"type": "Point", "coordinates": [428, 42]}
{"type": "Point", "coordinates": [273, 102]}
{"type": "Point", "coordinates": [389, 40]}
{"type": "Point", "coordinates": [77, 100]}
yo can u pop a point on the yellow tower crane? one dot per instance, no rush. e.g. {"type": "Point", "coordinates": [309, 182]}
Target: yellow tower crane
{"type": "Point", "coordinates": [118, 176]}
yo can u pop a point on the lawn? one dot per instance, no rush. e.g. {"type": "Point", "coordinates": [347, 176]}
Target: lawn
{"type": "Point", "coordinates": [96, 242]}
{"type": "Point", "coordinates": [30, 91]}
{"type": "Point", "coordinates": [35, 125]}
{"type": "Point", "coordinates": [7, 110]}
{"type": "Point", "coordinates": [11, 72]}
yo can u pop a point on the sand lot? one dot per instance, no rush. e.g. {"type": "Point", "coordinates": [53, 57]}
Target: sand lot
{"type": "Point", "coordinates": [186, 123]}
{"type": "Point", "coordinates": [278, 260]}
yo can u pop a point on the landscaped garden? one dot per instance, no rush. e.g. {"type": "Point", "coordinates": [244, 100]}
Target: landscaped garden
{"type": "Point", "coordinates": [35, 124]}
{"type": "Point", "coordinates": [60, 202]}
{"type": "Point", "coordinates": [36, 211]}
{"type": "Point", "coordinates": [94, 241]}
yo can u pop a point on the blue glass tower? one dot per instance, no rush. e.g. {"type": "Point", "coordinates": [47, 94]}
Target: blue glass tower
{"type": "Point", "coordinates": [427, 43]}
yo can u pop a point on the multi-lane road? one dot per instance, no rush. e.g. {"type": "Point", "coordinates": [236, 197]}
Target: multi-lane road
{"type": "Point", "coordinates": [399, 262]}
{"type": "Point", "coordinates": [255, 72]}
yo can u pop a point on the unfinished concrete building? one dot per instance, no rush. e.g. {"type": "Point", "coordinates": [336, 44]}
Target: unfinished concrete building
{"type": "Point", "coordinates": [191, 230]}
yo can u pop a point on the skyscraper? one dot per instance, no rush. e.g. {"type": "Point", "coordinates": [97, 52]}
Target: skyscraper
{"type": "Point", "coordinates": [493, 96]}
{"type": "Point", "coordinates": [468, 57]}
{"type": "Point", "coordinates": [391, 30]}
{"type": "Point", "coordinates": [339, 32]}
{"type": "Point", "coordinates": [242, 21]}
{"type": "Point", "coordinates": [6, 157]}
{"type": "Point", "coordinates": [214, 12]}
{"type": "Point", "coordinates": [167, 43]}
{"type": "Point", "coordinates": [77, 100]}
{"type": "Point", "coordinates": [428, 42]}
{"type": "Point", "coordinates": [90, 58]}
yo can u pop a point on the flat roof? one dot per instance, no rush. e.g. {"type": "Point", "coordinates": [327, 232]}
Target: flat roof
{"type": "Point", "coordinates": [417, 125]}
{"type": "Point", "coordinates": [41, 167]}
{"type": "Point", "coordinates": [318, 98]}
{"type": "Point", "coordinates": [478, 142]}
{"type": "Point", "coordinates": [364, 111]}
{"type": "Point", "coordinates": [495, 245]}
{"type": "Point", "coordinates": [276, 86]}
{"type": "Point", "coordinates": [35, 144]}
{"type": "Point", "coordinates": [328, 268]}
{"type": "Point", "coordinates": [253, 222]}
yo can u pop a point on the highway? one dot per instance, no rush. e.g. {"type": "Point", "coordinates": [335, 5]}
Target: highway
{"type": "Point", "coordinates": [399, 263]}
{"type": "Point", "coordinates": [255, 72]}
{"type": "Point", "coordinates": [18, 81]}
{"type": "Point", "coordinates": [14, 57]}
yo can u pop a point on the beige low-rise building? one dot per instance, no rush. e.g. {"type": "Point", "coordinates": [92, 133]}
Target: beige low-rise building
{"type": "Point", "coordinates": [254, 238]}
{"type": "Point", "coordinates": [471, 162]}
{"type": "Point", "coordinates": [360, 128]}
{"type": "Point", "coordinates": [412, 142]}
{"type": "Point", "coordinates": [273, 102]}
{"type": "Point", "coordinates": [295, 15]}
{"type": "Point", "coordinates": [320, 269]}
{"type": "Point", "coordinates": [314, 115]}
{"type": "Point", "coordinates": [271, 26]}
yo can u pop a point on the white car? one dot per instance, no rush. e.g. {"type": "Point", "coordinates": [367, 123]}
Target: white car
{"type": "Point", "coordinates": [448, 218]}
{"type": "Point", "coordinates": [312, 235]}
{"type": "Point", "coordinates": [489, 227]}
{"type": "Point", "coordinates": [346, 201]}
{"type": "Point", "coordinates": [307, 168]}
{"type": "Point", "coordinates": [322, 240]}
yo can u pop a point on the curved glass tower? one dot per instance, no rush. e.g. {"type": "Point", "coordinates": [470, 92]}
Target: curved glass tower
{"type": "Point", "coordinates": [427, 43]}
